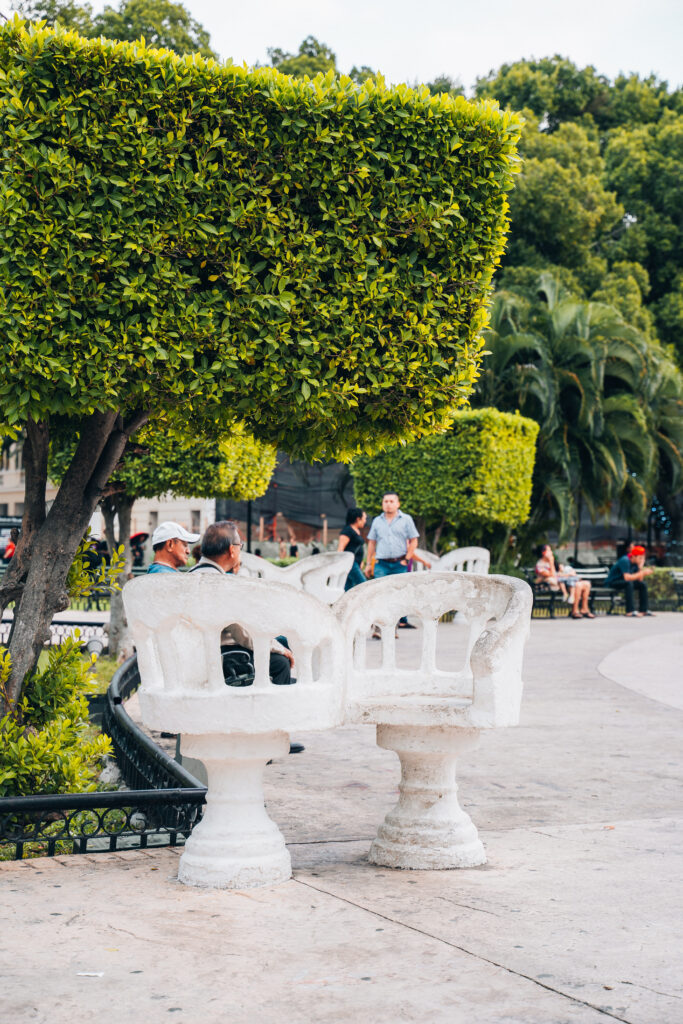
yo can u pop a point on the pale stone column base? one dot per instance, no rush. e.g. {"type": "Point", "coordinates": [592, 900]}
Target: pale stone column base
{"type": "Point", "coordinates": [427, 829]}
{"type": "Point", "coordinates": [236, 845]}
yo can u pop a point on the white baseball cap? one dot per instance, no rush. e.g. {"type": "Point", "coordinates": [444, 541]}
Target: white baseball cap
{"type": "Point", "coordinates": [171, 531]}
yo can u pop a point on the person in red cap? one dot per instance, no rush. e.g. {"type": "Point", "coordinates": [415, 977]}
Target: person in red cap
{"type": "Point", "coordinates": [629, 572]}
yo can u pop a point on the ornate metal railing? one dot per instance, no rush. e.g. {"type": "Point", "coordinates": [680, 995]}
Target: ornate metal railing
{"type": "Point", "coordinates": [161, 808]}
{"type": "Point", "coordinates": [61, 628]}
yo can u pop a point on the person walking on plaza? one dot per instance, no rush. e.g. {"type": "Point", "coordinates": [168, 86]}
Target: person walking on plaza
{"type": "Point", "coordinates": [629, 572]}
{"type": "Point", "coordinates": [391, 543]}
{"type": "Point", "coordinates": [171, 546]}
{"type": "Point", "coordinates": [350, 539]}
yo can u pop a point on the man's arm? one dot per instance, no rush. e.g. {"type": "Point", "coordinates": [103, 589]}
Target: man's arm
{"type": "Point", "coordinates": [370, 568]}
{"type": "Point", "coordinates": [630, 576]}
{"type": "Point", "coordinates": [410, 550]}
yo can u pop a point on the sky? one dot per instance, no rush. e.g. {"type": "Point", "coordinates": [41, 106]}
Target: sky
{"type": "Point", "coordinates": [417, 40]}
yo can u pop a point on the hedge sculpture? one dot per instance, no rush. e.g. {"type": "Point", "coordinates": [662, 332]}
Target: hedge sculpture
{"type": "Point", "coordinates": [477, 473]}
{"type": "Point", "coordinates": [310, 257]}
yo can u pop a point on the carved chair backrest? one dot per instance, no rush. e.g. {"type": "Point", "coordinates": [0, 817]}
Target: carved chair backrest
{"type": "Point", "coordinates": [322, 575]}
{"type": "Point", "coordinates": [177, 622]}
{"type": "Point", "coordinates": [472, 559]}
{"type": "Point", "coordinates": [495, 610]}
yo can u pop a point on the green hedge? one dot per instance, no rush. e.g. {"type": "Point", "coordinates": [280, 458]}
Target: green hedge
{"type": "Point", "coordinates": [47, 745]}
{"type": "Point", "coordinates": [477, 474]}
{"type": "Point", "coordinates": [311, 257]}
{"type": "Point", "coordinates": [660, 584]}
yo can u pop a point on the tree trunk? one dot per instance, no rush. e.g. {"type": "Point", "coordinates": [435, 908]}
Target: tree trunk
{"type": "Point", "coordinates": [437, 536]}
{"type": "Point", "coordinates": [120, 642]}
{"type": "Point", "coordinates": [579, 509]}
{"type": "Point", "coordinates": [38, 583]}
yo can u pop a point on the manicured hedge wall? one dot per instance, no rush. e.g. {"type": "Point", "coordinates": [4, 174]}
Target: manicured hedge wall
{"type": "Point", "coordinates": [312, 257]}
{"type": "Point", "coordinates": [478, 473]}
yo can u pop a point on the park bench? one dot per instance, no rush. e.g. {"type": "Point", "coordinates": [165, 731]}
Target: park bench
{"type": "Point", "coordinates": [472, 559]}
{"type": "Point", "coordinates": [602, 597]}
{"type": "Point", "coordinates": [322, 575]}
{"type": "Point", "coordinates": [430, 714]}
{"type": "Point", "coordinates": [176, 623]}
{"type": "Point", "coordinates": [546, 602]}
{"type": "Point", "coordinates": [678, 587]}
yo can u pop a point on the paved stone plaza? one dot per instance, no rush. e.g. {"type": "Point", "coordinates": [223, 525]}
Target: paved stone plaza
{"type": "Point", "coordinates": [575, 918]}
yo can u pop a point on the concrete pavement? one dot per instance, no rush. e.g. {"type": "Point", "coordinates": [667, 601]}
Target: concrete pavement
{"type": "Point", "coordinates": [576, 917]}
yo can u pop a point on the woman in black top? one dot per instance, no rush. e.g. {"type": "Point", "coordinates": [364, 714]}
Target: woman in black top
{"type": "Point", "coordinates": [350, 540]}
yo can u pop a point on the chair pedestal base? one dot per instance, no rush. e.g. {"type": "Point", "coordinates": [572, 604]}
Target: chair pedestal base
{"type": "Point", "coordinates": [427, 829]}
{"type": "Point", "coordinates": [236, 845]}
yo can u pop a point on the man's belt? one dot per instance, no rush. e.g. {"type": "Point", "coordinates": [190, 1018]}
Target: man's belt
{"type": "Point", "coordinates": [401, 558]}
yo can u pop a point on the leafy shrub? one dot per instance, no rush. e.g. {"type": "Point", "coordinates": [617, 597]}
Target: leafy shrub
{"type": "Point", "coordinates": [45, 744]}
{"type": "Point", "coordinates": [477, 473]}
{"type": "Point", "coordinates": [310, 257]}
{"type": "Point", "coordinates": [660, 584]}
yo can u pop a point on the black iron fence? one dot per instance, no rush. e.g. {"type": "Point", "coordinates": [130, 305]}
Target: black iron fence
{"type": "Point", "coordinates": [161, 808]}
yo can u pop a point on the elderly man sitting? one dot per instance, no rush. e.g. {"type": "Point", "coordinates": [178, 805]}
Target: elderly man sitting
{"type": "Point", "coordinates": [221, 550]}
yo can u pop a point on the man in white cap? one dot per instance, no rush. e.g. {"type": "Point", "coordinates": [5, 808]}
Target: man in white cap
{"type": "Point", "coordinates": [171, 544]}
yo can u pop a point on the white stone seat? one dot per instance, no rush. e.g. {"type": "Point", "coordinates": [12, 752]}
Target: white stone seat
{"type": "Point", "coordinates": [472, 559]}
{"type": "Point", "coordinates": [322, 575]}
{"type": "Point", "coordinates": [176, 622]}
{"type": "Point", "coordinates": [429, 715]}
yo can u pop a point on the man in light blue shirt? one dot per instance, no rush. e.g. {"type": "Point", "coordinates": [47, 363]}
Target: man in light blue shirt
{"type": "Point", "coordinates": [391, 542]}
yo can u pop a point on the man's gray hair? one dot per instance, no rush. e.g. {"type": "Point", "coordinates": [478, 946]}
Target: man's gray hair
{"type": "Point", "coordinates": [218, 537]}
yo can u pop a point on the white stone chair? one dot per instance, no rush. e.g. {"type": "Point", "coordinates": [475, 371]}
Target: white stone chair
{"type": "Point", "coordinates": [176, 622]}
{"type": "Point", "coordinates": [322, 575]}
{"type": "Point", "coordinates": [430, 716]}
{"type": "Point", "coordinates": [471, 559]}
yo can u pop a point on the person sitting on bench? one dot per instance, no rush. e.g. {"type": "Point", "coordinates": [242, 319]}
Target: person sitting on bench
{"type": "Point", "coordinates": [220, 552]}
{"type": "Point", "coordinates": [628, 574]}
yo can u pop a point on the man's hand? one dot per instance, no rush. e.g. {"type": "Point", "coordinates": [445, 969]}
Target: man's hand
{"type": "Point", "coordinates": [289, 656]}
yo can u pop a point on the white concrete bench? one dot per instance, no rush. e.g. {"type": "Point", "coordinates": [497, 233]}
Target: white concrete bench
{"type": "Point", "coordinates": [176, 622]}
{"type": "Point", "coordinates": [430, 715]}
{"type": "Point", "coordinates": [322, 575]}
{"type": "Point", "coordinates": [472, 559]}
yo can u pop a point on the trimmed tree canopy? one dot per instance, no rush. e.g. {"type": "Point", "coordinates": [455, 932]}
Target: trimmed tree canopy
{"type": "Point", "coordinates": [160, 462]}
{"type": "Point", "coordinates": [478, 473]}
{"type": "Point", "coordinates": [310, 257]}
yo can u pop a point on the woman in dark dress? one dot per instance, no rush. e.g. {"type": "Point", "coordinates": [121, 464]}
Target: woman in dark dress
{"type": "Point", "coordinates": [350, 540]}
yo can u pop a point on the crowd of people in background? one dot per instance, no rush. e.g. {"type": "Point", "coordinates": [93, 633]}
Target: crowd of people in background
{"type": "Point", "coordinates": [391, 549]}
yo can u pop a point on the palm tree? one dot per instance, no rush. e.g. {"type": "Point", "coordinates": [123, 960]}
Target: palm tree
{"type": "Point", "coordinates": [606, 406]}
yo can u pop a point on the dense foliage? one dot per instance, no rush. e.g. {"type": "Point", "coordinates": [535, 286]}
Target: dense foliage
{"type": "Point", "coordinates": [476, 475]}
{"type": "Point", "coordinates": [46, 744]}
{"type": "Point", "coordinates": [311, 258]}
{"type": "Point", "coordinates": [210, 232]}
{"type": "Point", "coordinates": [158, 22]}
{"type": "Point", "coordinates": [600, 196]}
{"type": "Point", "coordinates": [609, 403]}
{"type": "Point", "coordinates": [164, 461]}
